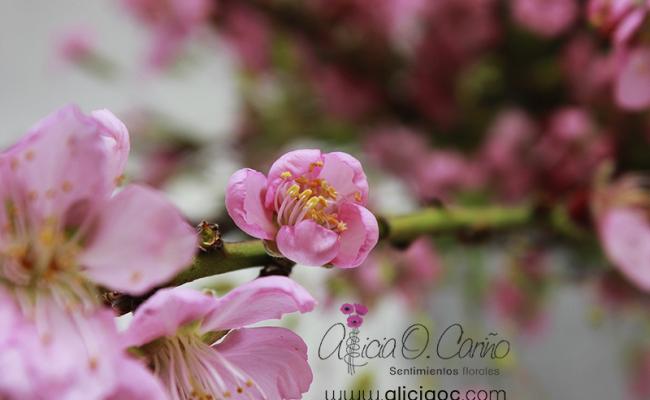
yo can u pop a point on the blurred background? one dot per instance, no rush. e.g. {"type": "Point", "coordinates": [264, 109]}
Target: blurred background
{"type": "Point", "coordinates": [446, 102]}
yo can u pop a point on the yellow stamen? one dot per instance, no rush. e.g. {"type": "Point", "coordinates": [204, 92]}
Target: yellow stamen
{"type": "Point", "coordinates": [285, 175]}
{"type": "Point", "coordinates": [293, 190]}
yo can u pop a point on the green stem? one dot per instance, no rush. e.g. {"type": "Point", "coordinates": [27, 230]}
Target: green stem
{"type": "Point", "coordinates": [399, 230]}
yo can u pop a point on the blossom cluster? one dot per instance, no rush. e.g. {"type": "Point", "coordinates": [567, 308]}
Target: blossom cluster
{"type": "Point", "coordinates": [71, 230]}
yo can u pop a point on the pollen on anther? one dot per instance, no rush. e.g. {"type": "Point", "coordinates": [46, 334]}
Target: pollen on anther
{"type": "Point", "coordinates": [29, 156]}
{"type": "Point", "coordinates": [240, 389]}
{"type": "Point", "coordinates": [285, 175]}
{"type": "Point", "coordinates": [67, 186]}
{"type": "Point", "coordinates": [136, 276]}
{"type": "Point", "coordinates": [227, 394]}
{"type": "Point", "coordinates": [93, 363]}
{"type": "Point", "coordinates": [358, 197]}
{"type": "Point", "coordinates": [249, 383]}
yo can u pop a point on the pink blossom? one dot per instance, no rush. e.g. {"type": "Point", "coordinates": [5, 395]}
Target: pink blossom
{"type": "Point", "coordinates": [311, 205]}
{"type": "Point", "coordinates": [625, 235]}
{"type": "Point", "coordinates": [354, 321]}
{"type": "Point", "coordinates": [441, 174]}
{"type": "Point", "coordinates": [68, 354]}
{"type": "Point", "coordinates": [589, 72]}
{"type": "Point", "coordinates": [198, 346]}
{"type": "Point", "coordinates": [621, 18]}
{"type": "Point", "coordinates": [632, 89]}
{"type": "Point", "coordinates": [571, 145]}
{"type": "Point", "coordinates": [545, 17]}
{"type": "Point", "coordinates": [360, 309]}
{"type": "Point", "coordinates": [64, 234]}
{"type": "Point", "coordinates": [249, 33]}
{"type": "Point", "coordinates": [506, 153]}
{"type": "Point", "coordinates": [347, 308]}
{"type": "Point", "coordinates": [172, 23]}
{"type": "Point", "coordinates": [76, 45]}
{"type": "Point", "coordinates": [620, 214]}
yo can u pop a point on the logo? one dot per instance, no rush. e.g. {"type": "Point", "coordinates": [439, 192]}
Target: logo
{"type": "Point", "coordinates": [354, 320]}
{"type": "Point", "coordinates": [344, 342]}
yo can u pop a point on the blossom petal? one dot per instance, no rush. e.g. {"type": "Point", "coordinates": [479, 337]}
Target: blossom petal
{"type": "Point", "coordinates": [141, 241]}
{"type": "Point", "coordinates": [625, 235]}
{"type": "Point", "coordinates": [359, 238]}
{"type": "Point", "coordinates": [308, 243]}
{"type": "Point", "coordinates": [274, 358]}
{"type": "Point", "coordinates": [167, 311]}
{"type": "Point", "coordinates": [135, 382]}
{"type": "Point", "coordinates": [345, 174]}
{"type": "Point", "coordinates": [632, 88]}
{"type": "Point", "coordinates": [244, 197]}
{"type": "Point", "coordinates": [60, 163]}
{"type": "Point", "coordinates": [259, 300]}
{"type": "Point", "coordinates": [116, 139]}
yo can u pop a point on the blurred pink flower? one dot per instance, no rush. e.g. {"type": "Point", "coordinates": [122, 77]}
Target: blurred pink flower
{"type": "Point", "coordinates": [411, 273]}
{"type": "Point", "coordinates": [547, 18]}
{"type": "Point", "coordinates": [198, 346]}
{"type": "Point", "coordinates": [457, 32]}
{"type": "Point", "coordinates": [311, 205]}
{"type": "Point", "coordinates": [620, 211]}
{"type": "Point", "coordinates": [505, 155]}
{"type": "Point", "coordinates": [76, 45]}
{"type": "Point", "coordinates": [589, 72]}
{"type": "Point", "coordinates": [441, 174]}
{"type": "Point", "coordinates": [342, 95]}
{"type": "Point", "coordinates": [172, 23]}
{"type": "Point", "coordinates": [570, 146]}
{"type": "Point", "coordinates": [249, 33]}
{"type": "Point", "coordinates": [620, 18]}
{"type": "Point", "coordinates": [347, 308]}
{"type": "Point", "coordinates": [354, 321]}
{"type": "Point", "coordinates": [632, 90]}
{"type": "Point", "coordinates": [85, 357]}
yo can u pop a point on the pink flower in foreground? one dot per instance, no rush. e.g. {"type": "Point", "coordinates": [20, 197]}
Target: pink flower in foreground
{"type": "Point", "coordinates": [198, 347]}
{"type": "Point", "coordinates": [347, 308]}
{"type": "Point", "coordinates": [63, 230]}
{"type": "Point", "coordinates": [354, 321]}
{"type": "Point", "coordinates": [621, 216]}
{"type": "Point", "coordinates": [63, 234]}
{"type": "Point", "coordinates": [545, 17]}
{"type": "Point", "coordinates": [172, 22]}
{"type": "Point", "coordinates": [312, 206]}
{"type": "Point", "coordinates": [84, 357]}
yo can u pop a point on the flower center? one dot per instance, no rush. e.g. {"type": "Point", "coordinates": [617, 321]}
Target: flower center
{"type": "Point", "coordinates": [41, 259]}
{"type": "Point", "coordinates": [298, 198]}
{"type": "Point", "coordinates": [192, 369]}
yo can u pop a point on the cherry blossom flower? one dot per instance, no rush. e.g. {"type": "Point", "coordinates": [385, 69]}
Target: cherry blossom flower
{"type": "Point", "coordinates": [172, 23]}
{"type": "Point", "coordinates": [198, 347]}
{"type": "Point", "coordinates": [347, 308]}
{"type": "Point", "coordinates": [85, 357]}
{"type": "Point", "coordinates": [63, 230]}
{"type": "Point", "coordinates": [311, 205]}
{"type": "Point", "coordinates": [63, 234]}
{"type": "Point", "coordinates": [545, 17]}
{"type": "Point", "coordinates": [621, 215]}
{"type": "Point", "coordinates": [632, 86]}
